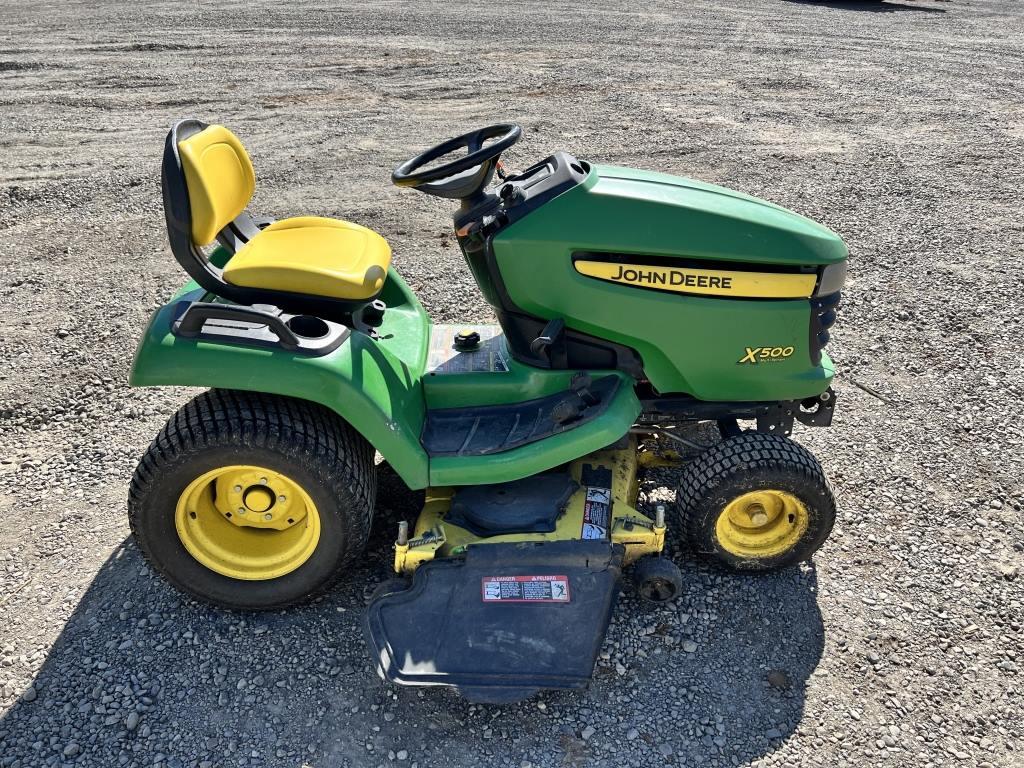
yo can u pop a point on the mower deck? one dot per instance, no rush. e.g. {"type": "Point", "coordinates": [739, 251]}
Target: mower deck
{"type": "Point", "coordinates": [503, 622]}
{"type": "Point", "coordinates": [601, 508]}
{"type": "Point", "coordinates": [514, 583]}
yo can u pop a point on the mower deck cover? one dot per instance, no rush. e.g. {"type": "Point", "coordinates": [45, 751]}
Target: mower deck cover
{"type": "Point", "coordinates": [502, 623]}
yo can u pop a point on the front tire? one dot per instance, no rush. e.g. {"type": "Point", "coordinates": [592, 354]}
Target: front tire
{"type": "Point", "coordinates": [253, 501]}
{"type": "Point", "coordinates": [756, 502]}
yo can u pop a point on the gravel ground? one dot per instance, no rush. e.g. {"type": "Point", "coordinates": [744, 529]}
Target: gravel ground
{"type": "Point", "coordinates": [898, 125]}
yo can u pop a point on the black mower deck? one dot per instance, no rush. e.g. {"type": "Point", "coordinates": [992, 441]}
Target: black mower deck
{"type": "Point", "coordinates": [503, 622]}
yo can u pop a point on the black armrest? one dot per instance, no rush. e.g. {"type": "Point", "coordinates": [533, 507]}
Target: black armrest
{"type": "Point", "coordinates": [191, 323]}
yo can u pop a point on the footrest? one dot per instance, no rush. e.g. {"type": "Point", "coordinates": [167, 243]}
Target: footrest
{"type": "Point", "coordinates": [501, 624]}
{"type": "Point", "coordinates": [484, 430]}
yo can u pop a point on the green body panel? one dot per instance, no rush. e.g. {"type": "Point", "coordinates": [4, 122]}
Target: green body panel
{"type": "Point", "coordinates": [521, 382]}
{"type": "Point", "coordinates": [689, 344]}
{"type": "Point", "coordinates": [382, 389]}
{"type": "Point", "coordinates": [374, 385]}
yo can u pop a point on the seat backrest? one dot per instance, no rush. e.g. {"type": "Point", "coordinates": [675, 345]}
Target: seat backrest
{"type": "Point", "coordinates": [207, 182]}
{"type": "Point", "coordinates": [219, 178]}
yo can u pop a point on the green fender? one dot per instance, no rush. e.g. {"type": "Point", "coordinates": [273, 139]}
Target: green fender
{"type": "Point", "coordinates": [375, 385]}
{"type": "Point", "coordinates": [381, 387]}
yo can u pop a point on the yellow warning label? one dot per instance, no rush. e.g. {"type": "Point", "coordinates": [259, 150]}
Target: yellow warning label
{"type": "Point", "coordinates": [711, 282]}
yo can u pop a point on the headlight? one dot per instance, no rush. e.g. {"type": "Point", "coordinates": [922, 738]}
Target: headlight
{"type": "Point", "coordinates": [832, 279]}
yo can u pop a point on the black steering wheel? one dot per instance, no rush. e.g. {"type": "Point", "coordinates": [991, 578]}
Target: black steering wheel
{"type": "Point", "coordinates": [465, 177]}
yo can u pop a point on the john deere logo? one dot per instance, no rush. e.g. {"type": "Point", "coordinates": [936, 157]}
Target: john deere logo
{"type": "Point", "coordinates": [670, 277]}
{"type": "Point", "coordinates": [765, 354]}
{"type": "Point", "coordinates": [704, 282]}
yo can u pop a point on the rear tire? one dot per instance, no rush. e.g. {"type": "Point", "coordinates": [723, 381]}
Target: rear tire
{"type": "Point", "coordinates": [756, 502]}
{"type": "Point", "coordinates": [325, 466]}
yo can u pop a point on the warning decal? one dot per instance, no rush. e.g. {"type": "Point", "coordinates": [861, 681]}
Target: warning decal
{"type": "Point", "coordinates": [597, 513]}
{"type": "Point", "coordinates": [525, 589]}
{"type": "Point", "coordinates": [597, 508]}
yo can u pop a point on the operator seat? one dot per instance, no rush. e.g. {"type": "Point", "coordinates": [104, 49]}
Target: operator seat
{"type": "Point", "coordinates": [304, 265]}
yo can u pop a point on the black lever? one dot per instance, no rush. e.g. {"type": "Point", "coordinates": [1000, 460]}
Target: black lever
{"type": "Point", "coordinates": [550, 345]}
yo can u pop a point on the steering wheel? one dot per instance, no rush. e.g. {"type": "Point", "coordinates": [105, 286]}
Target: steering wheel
{"type": "Point", "coordinates": [465, 177]}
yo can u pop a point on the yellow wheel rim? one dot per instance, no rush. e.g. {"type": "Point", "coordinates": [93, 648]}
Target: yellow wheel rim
{"type": "Point", "coordinates": [761, 524]}
{"type": "Point", "coordinates": [247, 522]}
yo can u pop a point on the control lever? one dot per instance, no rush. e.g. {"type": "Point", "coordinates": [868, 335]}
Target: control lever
{"type": "Point", "coordinates": [550, 345]}
{"type": "Point", "coordinates": [581, 384]}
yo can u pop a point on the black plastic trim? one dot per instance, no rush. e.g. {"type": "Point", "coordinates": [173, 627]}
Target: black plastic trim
{"type": "Point", "coordinates": [823, 317]}
{"type": "Point", "coordinates": [262, 326]}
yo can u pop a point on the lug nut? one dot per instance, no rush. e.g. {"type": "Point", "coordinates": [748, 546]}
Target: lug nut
{"type": "Point", "coordinates": [238, 489]}
{"type": "Point", "coordinates": [282, 498]}
{"type": "Point", "coordinates": [241, 510]}
{"type": "Point", "coordinates": [263, 480]}
{"type": "Point", "coordinates": [757, 514]}
{"type": "Point", "coordinates": [268, 516]}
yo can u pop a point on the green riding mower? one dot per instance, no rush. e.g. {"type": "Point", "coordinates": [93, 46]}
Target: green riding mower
{"type": "Point", "coordinates": [635, 310]}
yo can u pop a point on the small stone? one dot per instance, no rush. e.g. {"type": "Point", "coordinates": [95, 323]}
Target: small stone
{"type": "Point", "coordinates": [665, 748]}
{"type": "Point", "coordinates": [632, 733]}
{"type": "Point", "coordinates": [778, 679]}
{"type": "Point", "coordinates": [689, 646]}
{"type": "Point", "coordinates": [30, 694]}
{"type": "Point", "coordinates": [1007, 571]}
{"type": "Point", "coordinates": [62, 333]}
{"type": "Point", "coordinates": [72, 749]}
{"type": "Point", "coordinates": [132, 721]}
{"type": "Point", "coordinates": [588, 732]}
{"type": "Point", "coordinates": [403, 754]}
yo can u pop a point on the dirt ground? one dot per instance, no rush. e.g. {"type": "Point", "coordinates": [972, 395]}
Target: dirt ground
{"type": "Point", "coordinates": [899, 125]}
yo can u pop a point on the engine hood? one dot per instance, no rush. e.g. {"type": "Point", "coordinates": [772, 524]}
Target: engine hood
{"type": "Point", "coordinates": [634, 211]}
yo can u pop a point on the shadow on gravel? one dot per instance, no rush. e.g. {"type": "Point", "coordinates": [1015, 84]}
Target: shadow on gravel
{"type": "Point", "coordinates": [872, 6]}
{"type": "Point", "coordinates": [142, 676]}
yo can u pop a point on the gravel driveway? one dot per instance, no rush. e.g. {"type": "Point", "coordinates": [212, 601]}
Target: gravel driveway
{"type": "Point", "coordinates": [899, 125]}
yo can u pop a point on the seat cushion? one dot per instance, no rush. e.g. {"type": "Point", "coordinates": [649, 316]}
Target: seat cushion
{"type": "Point", "coordinates": [315, 256]}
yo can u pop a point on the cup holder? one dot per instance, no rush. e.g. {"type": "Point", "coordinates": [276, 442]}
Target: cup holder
{"type": "Point", "coordinates": [308, 327]}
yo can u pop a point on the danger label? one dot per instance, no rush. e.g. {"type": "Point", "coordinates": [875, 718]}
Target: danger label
{"type": "Point", "coordinates": [525, 589]}
{"type": "Point", "coordinates": [597, 513]}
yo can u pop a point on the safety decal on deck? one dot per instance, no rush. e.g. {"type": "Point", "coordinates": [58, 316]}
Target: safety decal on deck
{"type": "Point", "coordinates": [525, 589]}
{"type": "Point", "coordinates": [597, 513]}
{"type": "Point", "coordinates": [597, 509]}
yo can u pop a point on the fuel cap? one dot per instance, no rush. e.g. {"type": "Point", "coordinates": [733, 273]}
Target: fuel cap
{"type": "Point", "coordinates": [467, 340]}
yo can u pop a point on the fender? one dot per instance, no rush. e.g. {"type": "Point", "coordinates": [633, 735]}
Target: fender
{"type": "Point", "coordinates": [375, 385]}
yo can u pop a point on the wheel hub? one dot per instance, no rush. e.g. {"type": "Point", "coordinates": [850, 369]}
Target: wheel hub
{"type": "Point", "coordinates": [763, 523]}
{"type": "Point", "coordinates": [247, 522]}
{"type": "Point", "coordinates": [258, 498]}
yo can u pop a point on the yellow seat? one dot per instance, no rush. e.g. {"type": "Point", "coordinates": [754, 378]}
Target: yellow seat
{"type": "Point", "coordinates": [313, 255]}
{"type": "Point", "coordinates": [309, 255]}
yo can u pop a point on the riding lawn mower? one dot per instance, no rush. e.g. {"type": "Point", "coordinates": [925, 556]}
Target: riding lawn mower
{"type": "Point", "coordinates": [631, 308]}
